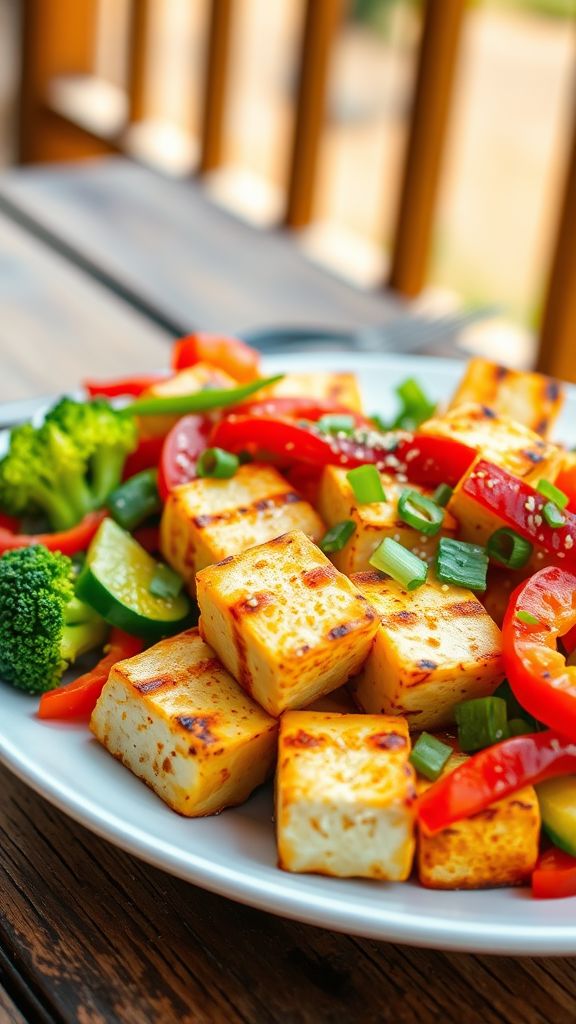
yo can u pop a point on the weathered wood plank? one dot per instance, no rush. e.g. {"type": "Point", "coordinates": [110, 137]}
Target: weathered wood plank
{"type": "Point", "coordinates": [108, 939]}
{"type": "Point", "coordinates": [195, 261]}
{"type": "Point", "coordinates": [9, 1013]}
{"type": "Point", "coordinates": [57, 326]}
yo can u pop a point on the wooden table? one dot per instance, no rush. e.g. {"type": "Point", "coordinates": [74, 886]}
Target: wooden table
{"type": "Point", "coordinates": [98, 266]}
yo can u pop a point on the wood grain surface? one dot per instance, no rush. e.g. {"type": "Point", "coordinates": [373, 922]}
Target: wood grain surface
{"type": "Point", "coordinates": [89, 934]}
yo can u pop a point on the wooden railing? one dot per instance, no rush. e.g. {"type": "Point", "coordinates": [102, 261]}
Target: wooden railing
{"type": "Point", "coordinates": [57, 57]}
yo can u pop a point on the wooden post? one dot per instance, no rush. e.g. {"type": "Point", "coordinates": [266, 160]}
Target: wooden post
{"type": "Point", "coordinates": [321, 21]}
{"type": "Point", "coordinates": [57, 38]}
{"type": "Point", "coordinates": [557, 354]}
{"type": "Point", "coordinates": [138, 32]}
{"type": "Point", "coordinates": [433, 92]}
{"type": "Point", "coordinates": [215, 85]}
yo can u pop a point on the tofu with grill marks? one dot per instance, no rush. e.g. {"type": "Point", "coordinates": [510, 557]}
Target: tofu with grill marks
{"type": "Point", "coordinates": [208, 520]}
{"type": "Point", "coordinates": [374, 521]}
{"type": "Point", "coordinates": [287, 625]}
{"type": "Point", "coordinates": [176, 718]}
{"type": "Point", "coordinates": [339, 388]}
{"type": "Point", "coordinates": [436, 646]}
{"type": "Point", "coordinates": [529, 398]}
{"type": "Point", "coordinates": [345, 796]}
{"type": "Point", "coordinates": [498, 846]}
{"type": "Point", "coordinates": [498, 439]}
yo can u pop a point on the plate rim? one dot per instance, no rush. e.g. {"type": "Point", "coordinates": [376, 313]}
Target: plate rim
{"type": "Point", "coordinates": [322, 910]}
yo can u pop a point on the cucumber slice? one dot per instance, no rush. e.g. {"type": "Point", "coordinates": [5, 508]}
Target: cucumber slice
{"type": "Point", "coordinates": [115, 581]}
{"type": "Point", "coordinates": [557, 799]}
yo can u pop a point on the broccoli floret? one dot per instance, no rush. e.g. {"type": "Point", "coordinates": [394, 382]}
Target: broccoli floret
{"type": "Point", "coordinates": [104, 436]}
{"type": "Point", "coordinates": [44, 471]}
{"type": "Point", "coordinates": [43, 626]}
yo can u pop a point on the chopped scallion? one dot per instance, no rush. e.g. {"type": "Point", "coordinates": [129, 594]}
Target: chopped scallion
{"type": "Point", "coordinates": [553, 515]}
{"type": "Point", "coordinates": [461, 563]}
{"type": "Point", "coordinates": [135, 500]}
{"type": "Point", "coordinates": [442, 495]}
{"type": "Point", "coordinates": [554, 494]}
{"type": "Point", "coordinates": [527, 618]}
{"type": "Point", "coordinates": [165, 582]}
{"type": "Point", "coordinates": [420, 512]}
{"type": "Point", "coordinates": [508, 548]}
{"type": "Point", "coordinates": [402, 565]}
{"type": "Point", "coordinates": [336, 424]}
{"type": "Point", "coordinates": [416, 406]}
{"type": "Point", "coordinates": [481, 723]}
{"type": "Point", "coordinates": [337, 536]}
{"type": "Point", "coordinates": [429, 756]}
{"type": "Point", "coordinates": [366, 483]}
{"type": "Point", "coordinates": [217, 464]}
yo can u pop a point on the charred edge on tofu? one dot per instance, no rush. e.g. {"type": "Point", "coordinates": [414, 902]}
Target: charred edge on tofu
{"type": "Point", "coordinates": [387, 741]}
{"type": "Point", "coordinates": [303, 739]}
{"type": "Point", "coordinates": [157, 683]}
{"type": "Point", "coordinates": [198, 726]}
{"type": "Point", "coordinates": [252, 604]}
{"type": "Point", "coordinates": [319, 576]}
{"type": "Point", "coordinates": [465, 608]}
{"type": "Point", "coordinates": [337, 632]}
{"type": "Point", "coordinates": [234, 514]}
{"type": "Point", "coordinates": [370, 576]}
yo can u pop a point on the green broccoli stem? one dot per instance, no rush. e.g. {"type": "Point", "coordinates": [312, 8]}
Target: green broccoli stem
{"type": "Point", "coordinates": [61, 512]}
{"type": "Point", "coordinates": [106, 466]}
{"type": "Point", "coordinates": [78, 495]}
{"type": "Point", "coordinates": [80, 638]}
{"type": "Point", "coordinates": [77, 613]}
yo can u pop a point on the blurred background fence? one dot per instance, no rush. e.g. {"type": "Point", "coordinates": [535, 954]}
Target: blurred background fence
{"type": "Point", "coordinates": [428, 146]}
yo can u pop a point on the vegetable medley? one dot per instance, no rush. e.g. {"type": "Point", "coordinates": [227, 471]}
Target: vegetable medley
{"type": "Point", "coordinates": [381, 610]}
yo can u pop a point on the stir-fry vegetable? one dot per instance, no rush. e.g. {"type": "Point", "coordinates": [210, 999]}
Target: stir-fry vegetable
{"type": "Point", "coordinates": [78, 698]}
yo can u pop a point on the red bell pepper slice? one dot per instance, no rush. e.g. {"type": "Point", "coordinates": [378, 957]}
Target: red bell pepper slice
{"type": "Point", "coordinates": [538, 674]}
{"type": "Point", "coordinates": [180, 451]}
{"type": "Point", "coordinates": [146, 456]}
{"type": "Point", "coordinates": [520, 506]}
{"type": "Point", "coordinates": [554, 876]}
{"type": "Point", "coordinates": [421, 459]}
{"type": "Point", "coordinates": [230, 354]}
{"type": "Point", "coordinates": [148, 538]}
{"type": "Point", "coordinates": [301, 408]}
{"type": "Point", "coordinates": [123, 386]}
{"type": "Point", "coordinates": [69, 542]}
{"type": "Point", "coordinates": [566, 482]}
{"type": "Point", "coordinates": [493, 774]}
{"type": "Point", "coordinates": [78, 698]}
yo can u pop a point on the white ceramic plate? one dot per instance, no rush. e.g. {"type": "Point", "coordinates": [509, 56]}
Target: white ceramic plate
{"type": "Point", "coordinates": [234, 854]}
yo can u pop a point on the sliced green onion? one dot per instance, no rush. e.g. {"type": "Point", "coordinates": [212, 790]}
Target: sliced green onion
{"type": "Point", "coordinates": [336, 424]}
{"type": "Point", "coordinates": [337, 536]}
{"type": "Point", "coordinates": [366, 483]}
{"type": "Point", "coordinates": [519, 727]}
{"type": "Point", "coordinates": [442, 495]}
{"type": "Point", "coordinates": [420, 512]}
{"type": "Point", "coordinates": [217, 464]}
{"type": "Point", "coordinates": [135, 500]}
{"type": "Point", "coordinates": [481, 723]}
{"type": "Point", "coordinates": [165, 582]}
{"type": "Point", "coordinates": [197, 401]}
{"type": "Point", "coordinates": [416, 406]}
{"type": "Point", "coordinates": [508, 548]}
{"type": "Point", "coordinates": [429, 756]}
{"type": "Point", "coordinates": [460, 563]}
{"type": "Point", "coordinates": [554, 494]}
{"type": "Point", "coordinates": [527, 618]}
{"type": "Point", "coordinates": [553, 515]}
{"type": "Point", "coordinates": [402, 565]}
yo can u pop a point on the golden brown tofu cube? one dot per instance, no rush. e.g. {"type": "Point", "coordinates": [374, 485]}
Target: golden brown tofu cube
{"type": "Point", "coordinates": [529, 398]}
{"type": "Point", "coordinates": [498, 439]}
{"type": "Point", "coordinates": [339, 388]}
{"type": "Point", "coordinates": [186, 382]}
{"type": "Point", "coordinates": [498, 846]}
{"type": "Point", "coordinates": [176, 718]}
{"type": "Point", "coordinates": [345, 796]}
{"type": "Point", "coordinates": [207, 520]}
{"type": "Point", "coordinates": [436, 646]}
{"type": "Point", "coordinates": [374, 521]}
{"type": "Point", "coordinates": [285, 622]}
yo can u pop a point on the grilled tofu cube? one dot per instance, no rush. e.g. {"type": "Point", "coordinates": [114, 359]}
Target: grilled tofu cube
{"type": "Point", "coordinates": [176, 718]}
{"type": "Point", "coordinates": [339, 388]}
{"type": "Point", "coordinates": [498, 439]}
{"type": "Point", "coordinates": [374, 521]}
{"type": "Point", "coordinates": [498, 846]}
{"type": "Point", "coordinates": [207, 520]}
{"type": "Point", "coordinates": [436, 646]}
{"type": "Point", "coordinates": [345, 794]}
{"type": "Point", "coordinates": [286, 624]}
{"type": "Point", "coordinates": [187, 382]}
{"type": "Point", "coordinates": [529, 398]}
